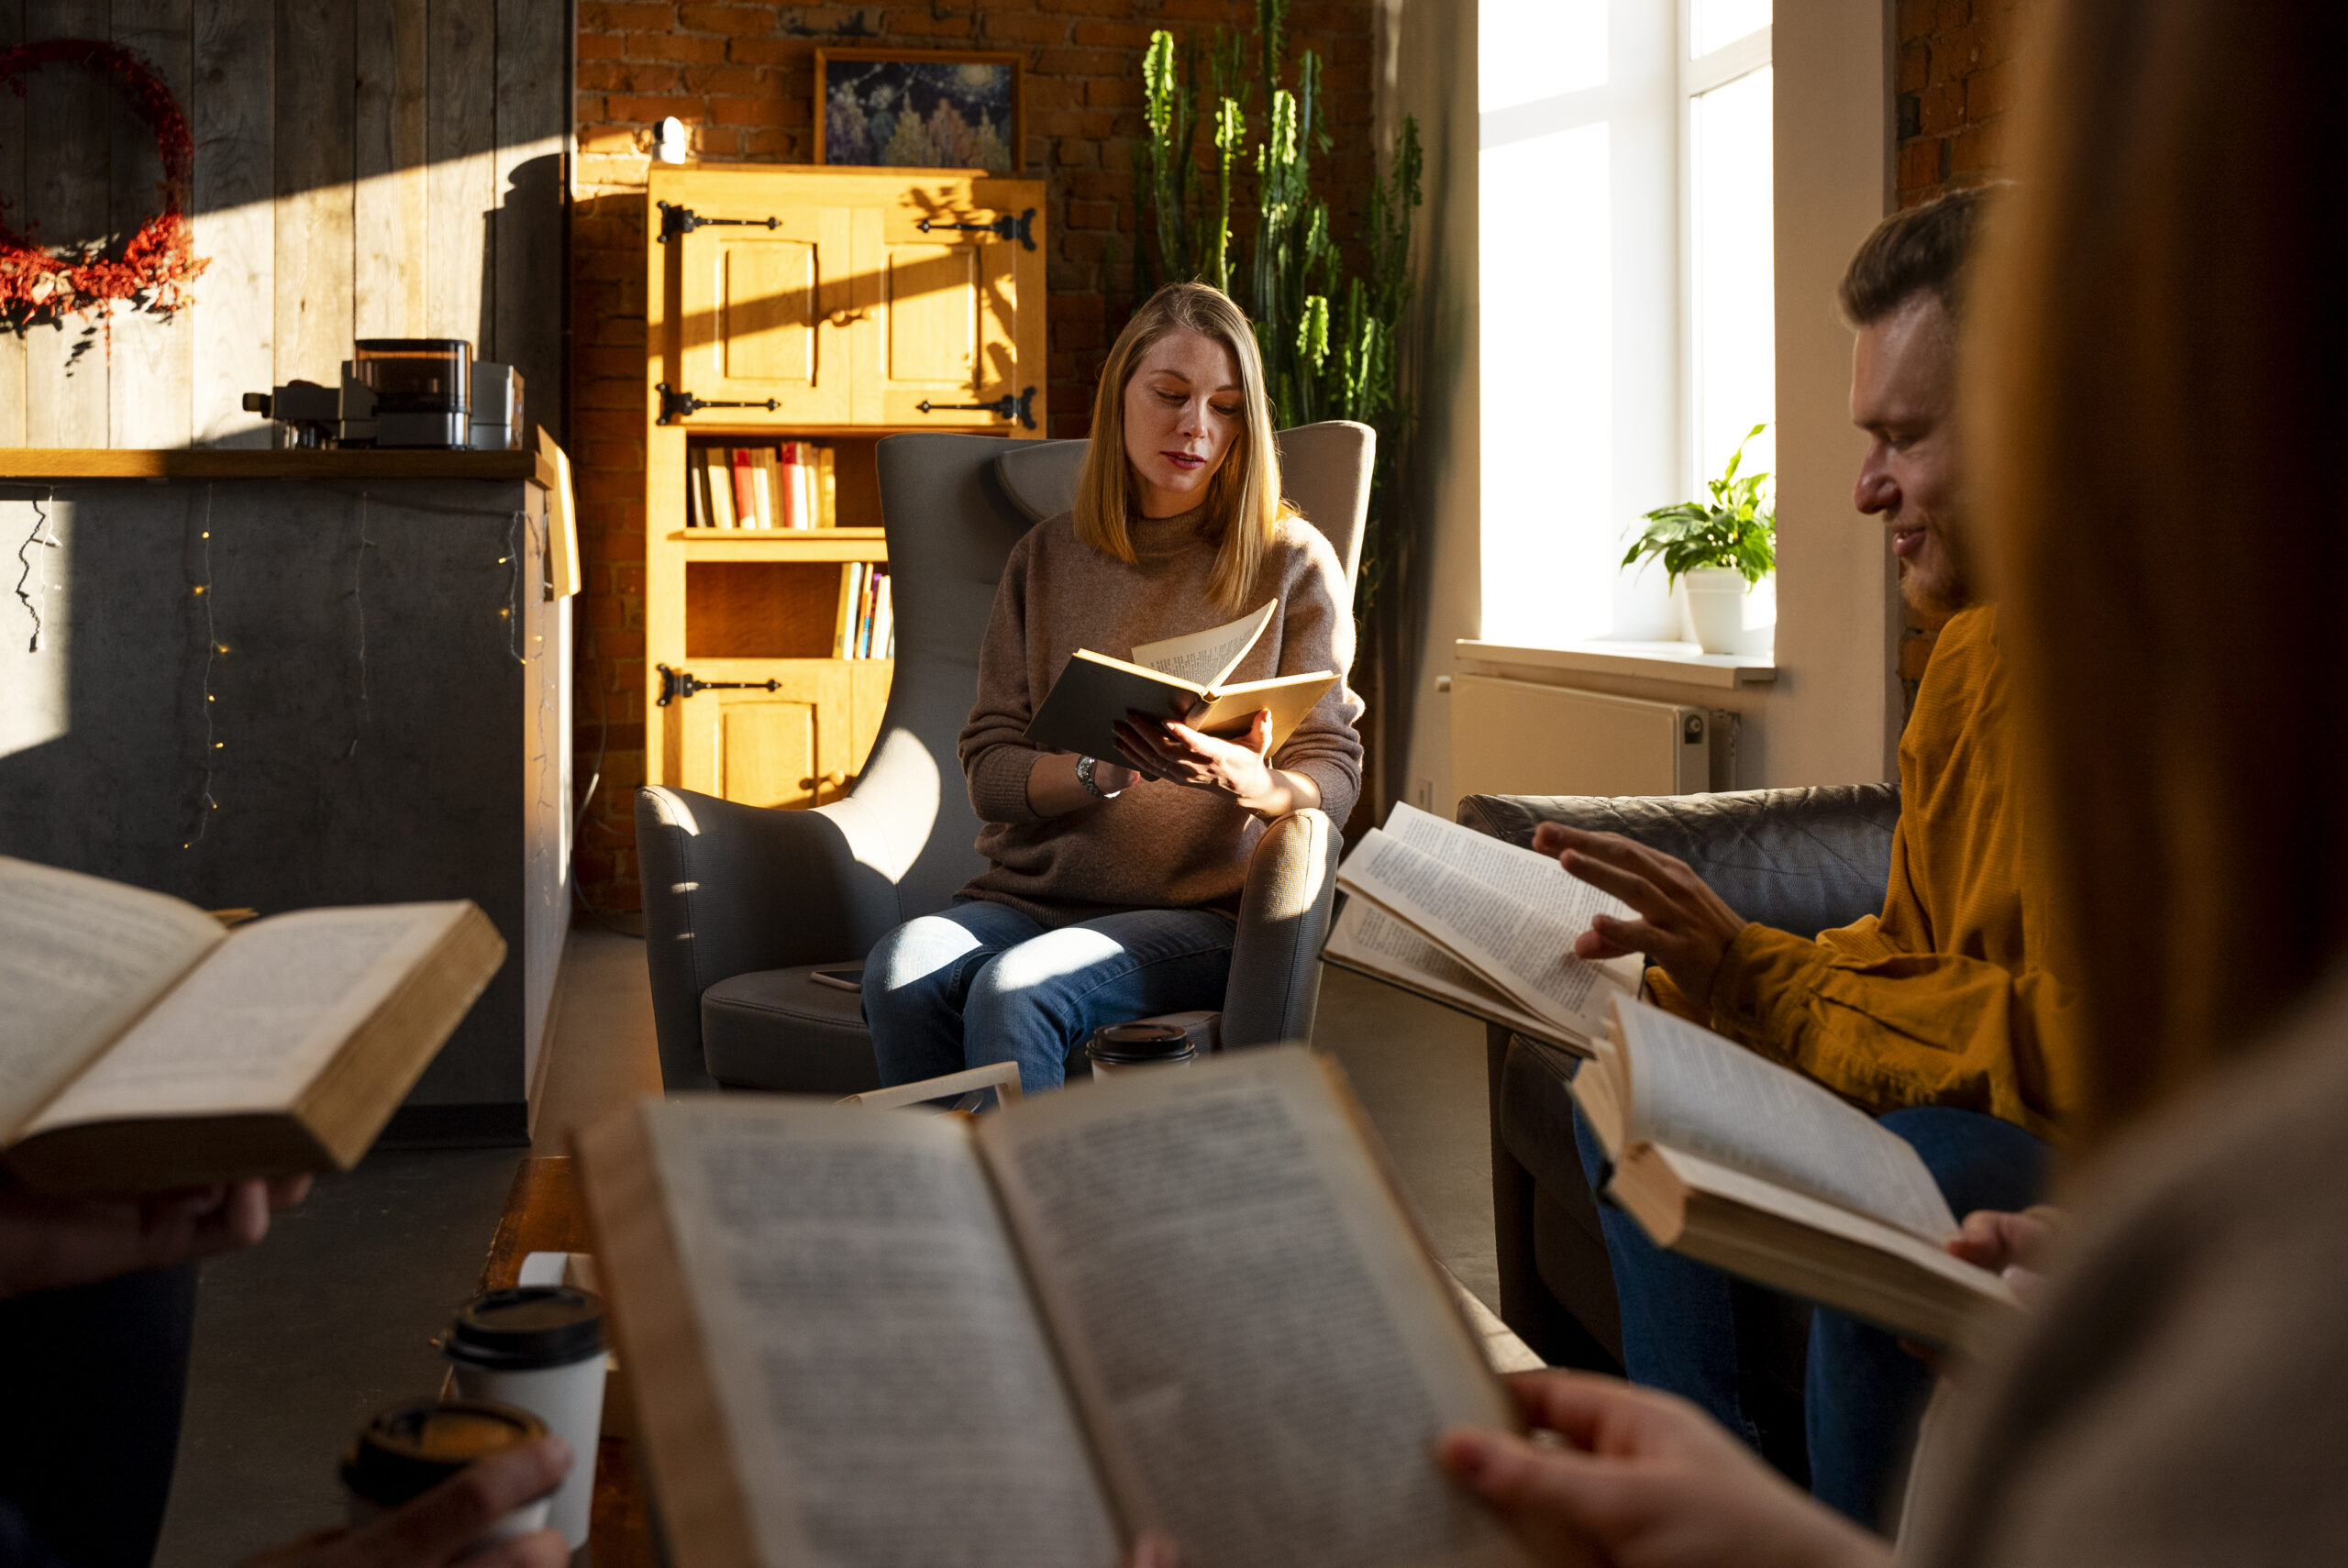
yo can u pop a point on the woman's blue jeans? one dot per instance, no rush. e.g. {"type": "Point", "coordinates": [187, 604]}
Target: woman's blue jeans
{"type": "Point", "coordinates": [981, 982]}
{"type": "Point", "coordinates": [1861, 1393]}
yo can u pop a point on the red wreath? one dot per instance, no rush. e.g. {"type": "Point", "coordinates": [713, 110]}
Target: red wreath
{"type": "Point", "coordinates": [152, 271]}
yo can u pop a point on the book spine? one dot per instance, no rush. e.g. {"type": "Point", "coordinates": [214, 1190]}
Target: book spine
{"type": "Point", "coordinates": [851, 595]}
{"type": "Point", "coordinates": [745, 497]}
{"type": "Point", "coordinates": [884, 621]}
{"type": "Point", "coordinates": [807, 471]}
{"type": "Point", "coordinates": [828, 491]}
{"type": "Point", "coordinates": [791, 476]}
{"type": "Point", "coordinates": [696, 505]}
{"type": "Point", "coordinates": [720, 481]}
{"type": "Point", "coordinates": [864, 618]}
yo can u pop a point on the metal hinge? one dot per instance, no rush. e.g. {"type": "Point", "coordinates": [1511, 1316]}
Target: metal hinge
{"type": "Point", "coordinates": [1005, 406]}
{"type": "Point", "coordinates": [684, 683]}
{"type": "Point", "coordinates": [1006, 226]}
{"type": "Point", "coordinates": [676, 405]}
{"type": "Point", "coordinates": [676, 220]}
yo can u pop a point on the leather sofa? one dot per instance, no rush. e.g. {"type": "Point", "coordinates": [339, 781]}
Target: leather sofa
{"type": "Point", "coordinates": [1801, 860]}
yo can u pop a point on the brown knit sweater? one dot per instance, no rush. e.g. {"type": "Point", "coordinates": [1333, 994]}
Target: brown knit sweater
{"type": "Point", "coordinates": [2179, 1393]}
{"type": "Point", "coordinates": [1157, 845]}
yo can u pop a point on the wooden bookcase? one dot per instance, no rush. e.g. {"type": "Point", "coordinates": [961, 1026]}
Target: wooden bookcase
{"type": "Point", "coordinates": [830, 306]}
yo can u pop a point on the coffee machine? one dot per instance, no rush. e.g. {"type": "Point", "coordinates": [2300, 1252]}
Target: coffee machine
{"type": "Point", "coordinates": [427, 393]}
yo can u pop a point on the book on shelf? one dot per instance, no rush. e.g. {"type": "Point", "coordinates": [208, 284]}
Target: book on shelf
{"type": "Point", "coordinates": [746, 498]}
{"type": "Point", "coordinates": [1730, 1159]}
{"type": "Point", "coordinates": [1189, 1302]}
{"type": "Point", "coordinates": [1480, 925]}
{"type": "Point", "coordinates": [696, 492]}
{"type": "Point", "coordinates": [792, 485]}
{"type": "Point", "coordinates": [711, 473]}
{"type": "Point", "coordinates": [844, 623]}
{"type": "Point", "coordinates": [764, 477]}
{"type": "Point", "coordinates": [145, 1048]}
{"type": "Point", "coordinates": [827, 488]}
{"type": "Point", "coordinates": [1176, 678]}
{"type": "Point", "coordinates": [884, 630]}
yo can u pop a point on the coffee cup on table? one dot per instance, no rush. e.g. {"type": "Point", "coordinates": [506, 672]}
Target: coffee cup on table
{"type": "Point", "coordinates": [411, 1448]}
{"type": "Point", "coordinates": [540, 1347]}
{"type": "Point", "coordinates": [1134, 1047]}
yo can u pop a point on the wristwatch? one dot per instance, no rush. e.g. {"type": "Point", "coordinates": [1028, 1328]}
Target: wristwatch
{"type": "Point", "coordinates": [1084, 765]}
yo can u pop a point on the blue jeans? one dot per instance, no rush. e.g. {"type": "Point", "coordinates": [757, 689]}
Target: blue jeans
{"type": "Point", "coordinates": [982, 983]}
{"type": "Point", "coordinates": [1862, 1394]}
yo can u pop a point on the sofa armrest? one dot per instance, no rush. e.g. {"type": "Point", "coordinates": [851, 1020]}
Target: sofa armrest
{"type": "Point", "coordinates": [731, 889]}
{"type": "Point", "coordinates": [1800, 860]}
{"type": "Point", "coordinates": [1284, 909]}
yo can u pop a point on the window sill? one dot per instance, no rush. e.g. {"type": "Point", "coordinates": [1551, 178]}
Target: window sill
{"type": "Point", "coordinates": [1682, 663]}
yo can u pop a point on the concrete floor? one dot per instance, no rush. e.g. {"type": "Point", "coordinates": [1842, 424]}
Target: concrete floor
{"type": "Point", "coordinates": [299, 1340]}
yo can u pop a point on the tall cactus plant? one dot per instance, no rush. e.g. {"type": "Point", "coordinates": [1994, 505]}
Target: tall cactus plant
{"type": "Point", "coordinates": [1327, 332]}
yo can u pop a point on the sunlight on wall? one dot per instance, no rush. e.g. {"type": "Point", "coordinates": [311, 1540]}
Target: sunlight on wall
{"type": "Point", "coordinates": [35, 700]}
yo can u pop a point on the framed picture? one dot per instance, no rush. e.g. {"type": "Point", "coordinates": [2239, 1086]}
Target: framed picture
{"type": "Point", "coordinates": [926, 109]}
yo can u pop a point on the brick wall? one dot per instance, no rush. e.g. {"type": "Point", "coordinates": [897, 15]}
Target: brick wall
{"type": "Point", "coordinates": [741, 77]}
{"type": "Point", "coordinates": [1954, 86]}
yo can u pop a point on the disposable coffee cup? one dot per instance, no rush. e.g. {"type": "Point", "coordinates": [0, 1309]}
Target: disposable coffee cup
{"type": "Point", "coordinates": [409, 1449]}
{"type": "Point", "coordinates": [1138, 1048]}
{"type": "Point", "coordinates": [540, 1347]}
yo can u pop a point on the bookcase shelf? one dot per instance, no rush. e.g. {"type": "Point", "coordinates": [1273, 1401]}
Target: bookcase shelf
{"type": "Point", "coordinates": [804, 340]}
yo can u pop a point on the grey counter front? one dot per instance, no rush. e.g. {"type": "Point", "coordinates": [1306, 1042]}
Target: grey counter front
{"type": "Point", "coordinates": [347, 684]}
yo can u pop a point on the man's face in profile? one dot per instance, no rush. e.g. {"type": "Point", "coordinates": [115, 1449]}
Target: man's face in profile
{"type": "Point", "coordinates": [1903, 394]}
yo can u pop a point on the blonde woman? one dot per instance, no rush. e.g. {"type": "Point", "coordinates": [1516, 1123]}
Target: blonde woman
{"type": "Point", "coordinates": [1112, 882]}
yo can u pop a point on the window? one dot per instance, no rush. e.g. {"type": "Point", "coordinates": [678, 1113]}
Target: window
{"type": "Point", "coordinates": [1625, 289]}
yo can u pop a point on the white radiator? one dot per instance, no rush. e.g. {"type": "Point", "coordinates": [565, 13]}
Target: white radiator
{"type": "Point", "coordinates": [1515, 737]}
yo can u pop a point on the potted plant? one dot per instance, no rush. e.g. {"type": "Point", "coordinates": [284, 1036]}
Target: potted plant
{"type": "Point", "coordinates": [1723, 547]}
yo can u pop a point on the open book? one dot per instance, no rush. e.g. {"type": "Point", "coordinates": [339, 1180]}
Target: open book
{"type": "Point", "coordinates": [1731, 1159]}
{"type": "Point", "coordinates": [1179, 679]}
{"type": "Point", "coordinates": [1188, 1301]}
{"type": "Point", "coordinates": [1461, 917]}
{"type": "Point", "coordinates": [143, 1047]}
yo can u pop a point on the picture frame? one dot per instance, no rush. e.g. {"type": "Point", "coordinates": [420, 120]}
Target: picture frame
{"type": "Point", "coordinates": [969, 109]}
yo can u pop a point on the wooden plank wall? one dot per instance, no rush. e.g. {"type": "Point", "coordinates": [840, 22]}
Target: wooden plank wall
{"type": "Point", "coordinates": [363, 169]}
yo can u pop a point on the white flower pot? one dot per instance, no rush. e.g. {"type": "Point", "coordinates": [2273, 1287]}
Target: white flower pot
{"type": "Point", "coordinates": [1716, 598]}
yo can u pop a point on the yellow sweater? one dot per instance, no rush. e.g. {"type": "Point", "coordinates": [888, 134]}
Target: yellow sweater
{"type": "Point", "coordinates": [1945, 999]}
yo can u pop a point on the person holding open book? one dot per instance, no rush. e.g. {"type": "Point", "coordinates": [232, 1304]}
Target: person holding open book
{"type": "Point", "coordinates": [2162, 415]}
{"type": "Point", "coordinates": [1113, 881]}
{"type": "Point", "coordinates": [1947, 1014]}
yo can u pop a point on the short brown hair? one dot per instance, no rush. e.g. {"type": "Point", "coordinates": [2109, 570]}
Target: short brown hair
{"type": "Point", "coordinates": [1921, 251]}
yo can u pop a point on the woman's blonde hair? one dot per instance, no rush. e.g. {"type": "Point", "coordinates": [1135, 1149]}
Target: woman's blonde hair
{"type": "Point", "coordinates": [1243, 502]}
{"type": "Point", "coordinates": [2161, 414]}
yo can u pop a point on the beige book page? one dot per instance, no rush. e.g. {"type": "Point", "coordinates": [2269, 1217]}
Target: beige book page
{"type": "Point", "coordinates": [249, 1027]}
{"type": "Point", "coordinates": [1692, 1090]}
{"type": "Point", "coordinates": [1510, 914]}
{"type": "Point", "coordinates": [1265, 1354]}
{"type": "Point", "coordinates": [886, 1390]}
{"type": "Point", "coordinates": [1366, 937]}
{"type": "Point", "coordinates": [1724, 1181]}
{"type": "Point", "coordinates": [79, 957]}
{"type": "Point", "coordinates": [1205, 658]}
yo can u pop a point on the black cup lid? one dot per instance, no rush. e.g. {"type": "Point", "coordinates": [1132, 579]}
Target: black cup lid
{"type": "Point", "coordinates": [528, 1326]}
{"type": "Point", "coordinates": [411, 1448]}
{"type": "Point", "coordinates": [1134, 1043]}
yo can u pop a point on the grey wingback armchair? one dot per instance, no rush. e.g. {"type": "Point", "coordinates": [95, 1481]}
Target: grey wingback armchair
{"type": "Point", "coordinates": [1800, 860]}
{"type": "Point", "coordinates": [740, 902]}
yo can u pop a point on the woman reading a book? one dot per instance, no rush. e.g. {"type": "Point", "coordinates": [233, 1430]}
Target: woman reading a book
{"type": "Point", "coordinates": [2157, 388]}
{"type": "Point", "coordinates": [1111, 881]}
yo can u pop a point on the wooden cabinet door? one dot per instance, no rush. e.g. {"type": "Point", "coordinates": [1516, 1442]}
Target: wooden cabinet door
{"type": "Point", "coordinates": [788, 747]}
{"type": "Point", "coordinates": [945, 315]}
{"type": "Point", "coordinates": [766, 313]}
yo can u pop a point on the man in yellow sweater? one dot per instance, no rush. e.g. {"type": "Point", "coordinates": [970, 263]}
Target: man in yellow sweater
{"type": "Point", "coordinates": [1940, 1013]}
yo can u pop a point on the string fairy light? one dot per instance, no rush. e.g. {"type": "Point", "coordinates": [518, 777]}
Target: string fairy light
{"type": "Point", "coordinates": [38, 600]}
{"type": "Point", "coordinates": [204, 804]}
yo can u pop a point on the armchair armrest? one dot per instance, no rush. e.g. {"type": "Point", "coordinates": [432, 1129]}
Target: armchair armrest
{"type": "Point", "coordinates": [1800, 860]}
{"type": "Point", "coordinates": [731, 889]}
{"type": "Point", "coordinates": [1284, 909]}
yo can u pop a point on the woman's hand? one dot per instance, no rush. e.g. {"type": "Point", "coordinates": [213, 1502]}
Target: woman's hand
{"type": "Point", "coordinates": [445, 1526]}
{"type": "Point", "coordinates": [1643, 1480]}
{"type": "Point", "coordinates": [1161, 748]}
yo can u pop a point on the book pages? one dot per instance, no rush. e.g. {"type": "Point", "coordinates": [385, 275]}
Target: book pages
{"type": "Point", "coordinates": [249, 1027]}
{"type": "Point", "coordinates": [888, 1394]}
{"type": "Point", "coordinates": [1265, 1354]}
{"type": "Point", "coordinates": [1366, 939]}
{"type": "Point", "coordinates": [1510, 914]}
{"type": "Point", "coordinates": [80, 958]}
{"type": "Point", "coordinates": [1206, 658]}
{"type": "Point", "coordinates": [1695, 1092]}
